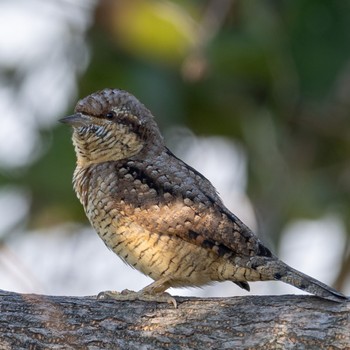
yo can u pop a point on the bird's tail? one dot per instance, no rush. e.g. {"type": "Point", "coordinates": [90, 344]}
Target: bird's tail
{"type": "Point", "coordinates": [282, 272]}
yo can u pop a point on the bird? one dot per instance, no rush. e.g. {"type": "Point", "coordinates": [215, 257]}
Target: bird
{"type": "Point", "coordinates": [157, 213]}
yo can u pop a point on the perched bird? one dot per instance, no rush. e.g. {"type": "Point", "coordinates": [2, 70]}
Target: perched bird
{"type": "Point", "coordinates": [157, 213]}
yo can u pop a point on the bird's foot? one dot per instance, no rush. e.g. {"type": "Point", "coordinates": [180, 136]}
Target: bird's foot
{"type": "Point", "coordinates": [129, 295]}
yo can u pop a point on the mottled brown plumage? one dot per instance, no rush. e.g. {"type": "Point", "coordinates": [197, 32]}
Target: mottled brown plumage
{"type": "Point", "coordinates": [156, 212]}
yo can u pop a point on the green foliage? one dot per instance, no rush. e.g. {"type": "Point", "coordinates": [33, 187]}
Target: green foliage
{"type": "Point", "coordinates": [274, 75]}
{"type": "Point", "coordinates": [272, 79]}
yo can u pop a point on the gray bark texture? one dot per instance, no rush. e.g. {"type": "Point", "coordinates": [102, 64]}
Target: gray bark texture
{"type": "Point", "coordinates": [30, 321]}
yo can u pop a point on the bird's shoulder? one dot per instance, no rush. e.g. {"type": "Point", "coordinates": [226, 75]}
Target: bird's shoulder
{"type": "Point", "coordinates": [162, 178]}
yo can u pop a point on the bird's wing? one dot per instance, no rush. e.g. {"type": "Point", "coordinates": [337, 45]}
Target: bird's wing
{"type": "Point", "coordinates": [180, 201]}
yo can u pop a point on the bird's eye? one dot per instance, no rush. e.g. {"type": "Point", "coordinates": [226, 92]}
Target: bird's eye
{"type": "Point", "coordinates": [110, 115]}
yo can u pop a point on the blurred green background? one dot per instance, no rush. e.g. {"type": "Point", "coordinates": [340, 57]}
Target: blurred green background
{"type": "Point", "coordinates": [273, 76]}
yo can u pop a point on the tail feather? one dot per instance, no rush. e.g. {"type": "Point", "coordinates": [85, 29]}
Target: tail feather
{"type": "Point", "coordinates": [283, 272]}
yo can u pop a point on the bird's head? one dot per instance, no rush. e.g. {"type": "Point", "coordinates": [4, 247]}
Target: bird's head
{"type": "Point", "coordinates": [109, 125]}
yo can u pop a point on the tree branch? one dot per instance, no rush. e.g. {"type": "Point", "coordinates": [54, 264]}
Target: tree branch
{"type": "Point", "coordinates": [253, 322]}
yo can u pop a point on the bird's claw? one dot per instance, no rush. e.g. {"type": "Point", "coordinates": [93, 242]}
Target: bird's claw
{"type": "Point", "coordinates": [129, 295]}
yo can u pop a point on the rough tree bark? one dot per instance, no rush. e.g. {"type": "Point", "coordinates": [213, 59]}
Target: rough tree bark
{"type": "Point", "coordinates": [253, 322]}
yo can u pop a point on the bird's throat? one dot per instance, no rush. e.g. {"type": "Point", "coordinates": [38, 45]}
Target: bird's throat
{"type": "Point", "coordinates": [93, 148]}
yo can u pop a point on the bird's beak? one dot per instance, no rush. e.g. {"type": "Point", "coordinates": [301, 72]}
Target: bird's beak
{"type": "Point", "coordinates": [77, 119]}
